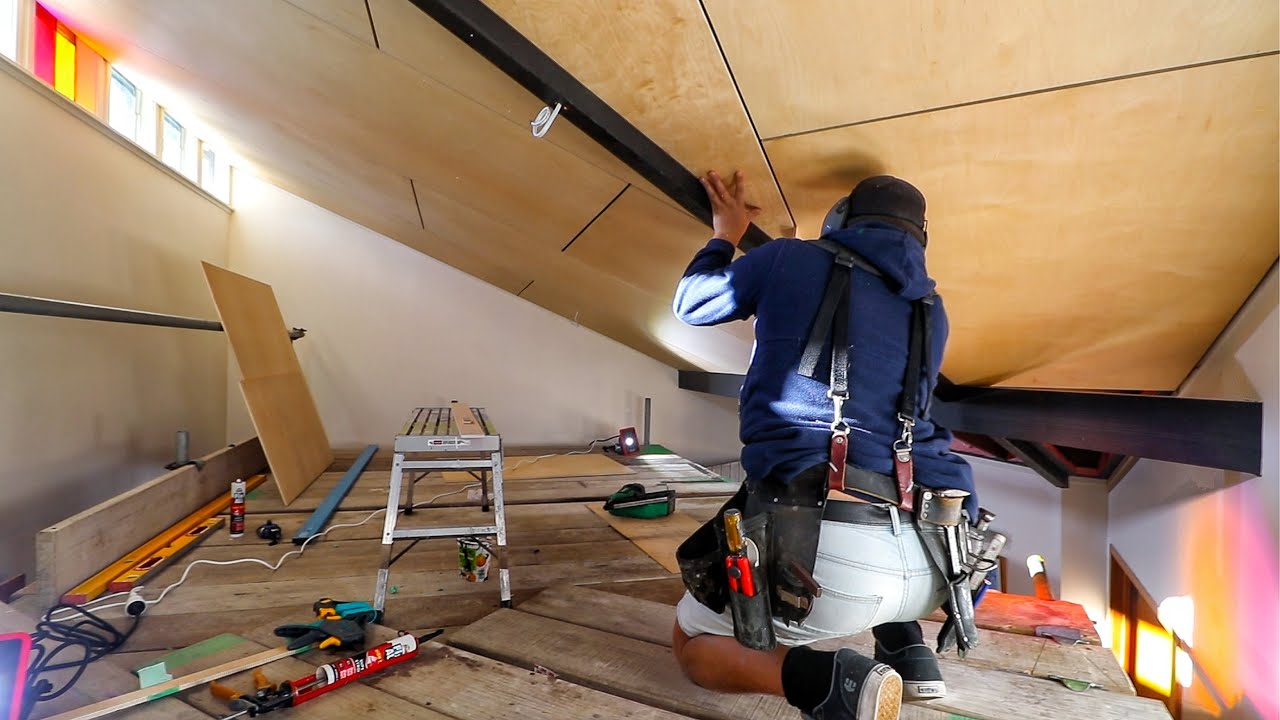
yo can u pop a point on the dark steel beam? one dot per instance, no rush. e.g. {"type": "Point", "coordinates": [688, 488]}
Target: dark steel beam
{"type": "Point", "coordinates": [1034, 457]}
{"type": "Point", "coordinates": [1224, 434]}
{"type": "Point", "coordinates": [491, 36]}
{"type": "Point", "coordinates": [726, 384]}
{"type": "Point", "coordinates": [26, 305]}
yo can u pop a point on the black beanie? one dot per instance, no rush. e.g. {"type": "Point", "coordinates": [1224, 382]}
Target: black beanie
{"type": "Point", "coordinates": [890, 198]}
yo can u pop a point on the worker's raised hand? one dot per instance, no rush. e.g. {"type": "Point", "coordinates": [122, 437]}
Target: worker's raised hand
{"type": "Point", "coordinates": [731, 215]}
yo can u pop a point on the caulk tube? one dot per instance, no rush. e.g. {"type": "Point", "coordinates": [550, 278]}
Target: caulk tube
{"type": "Point", "coordinates": [389, 653]}
{"type": "Point", "coordinates": [237, 507]}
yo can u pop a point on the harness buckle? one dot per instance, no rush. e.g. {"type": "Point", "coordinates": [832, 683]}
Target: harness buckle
{"type": "Point", "coordinates": [902, 446]}
{"type": "Point", "coordinates": [837, 401]}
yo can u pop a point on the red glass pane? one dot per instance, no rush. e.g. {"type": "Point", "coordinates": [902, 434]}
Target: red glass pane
{"type": "Point", "coordinates": [46, 43]}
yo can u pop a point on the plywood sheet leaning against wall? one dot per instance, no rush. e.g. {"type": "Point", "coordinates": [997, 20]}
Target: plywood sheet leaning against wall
{"type": "Point", "coordinates": [113, 528]}
{"type": "Point", "coordinates": [275, 391]}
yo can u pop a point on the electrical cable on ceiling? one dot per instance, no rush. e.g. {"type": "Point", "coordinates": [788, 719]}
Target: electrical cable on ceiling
{"type": "Point", "coordinates": [542, 123]}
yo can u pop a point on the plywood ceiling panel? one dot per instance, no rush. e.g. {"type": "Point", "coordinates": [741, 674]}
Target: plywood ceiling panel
{"type": "Point", "coordinates": [305, 77]}
{"type": "Point", "coordinates": [350, 16]}
{"type": "Point", "coordinates": [1096, 237]}
{"type": "Point", "coordinates": [821, 63]}
{"type": "Point", "coordinates": [642, 242]}
{"type": "Point", "coordinates": [636, 318]}
{"type": "Point", "coordinates": [408, 34]}
{"type": "Point", "coordinates": [658, 64]}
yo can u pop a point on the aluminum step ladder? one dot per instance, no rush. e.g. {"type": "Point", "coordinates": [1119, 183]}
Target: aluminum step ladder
{"type": "Point", "coordinates": [446, 438]}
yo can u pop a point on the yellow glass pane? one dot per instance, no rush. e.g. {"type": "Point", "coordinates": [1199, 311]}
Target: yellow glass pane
{"type": "Point", "coordinates": [1153, 660]}
{"type": "Point", "coordinates": [64, 65]}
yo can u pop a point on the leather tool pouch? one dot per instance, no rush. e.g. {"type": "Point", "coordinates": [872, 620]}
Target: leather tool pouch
{"type": "Point", "coordinates": [701, 557]}
{"type": "Point", "coordinates": [789, 515]}
{"type": "Point", "coordinates": [794, 512]}
{"type": "Point", "coordinates": [943, 531]}
{"type": "Point", "coordinates": [752, 619]}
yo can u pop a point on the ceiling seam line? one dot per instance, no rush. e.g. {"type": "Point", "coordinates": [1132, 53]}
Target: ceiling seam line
{"type": "Point", "coordinates": [373, 28]}
{"type": "Point", "coordinates": [750, 120]}
{"type": "Point", "coordinates": [417, 204]}
{"type": "Point", "coordinates": [526, 287]}
{"type": "Point", "coordinates": [1027, 93]}
{"type": "Point", "coordinates": [597, 217]}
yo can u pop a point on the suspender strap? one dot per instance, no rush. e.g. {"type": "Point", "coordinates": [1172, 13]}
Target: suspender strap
{"type": "Point", "coordinates": [835, 302]}
{"type": "Point", "coordinates": [920, 321]}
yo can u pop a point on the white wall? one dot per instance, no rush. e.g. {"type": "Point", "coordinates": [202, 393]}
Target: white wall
{"type": "Point", "coordinates": [1029, 510]}
{"type": "Point", "coordinates": [1212, 534]}
{"type": "Point", "coordinates": [88, 409]}
{"type": "Point", "coordinates": [390, 328]}
{"type": "Point", "coordinates": [1085, 552]}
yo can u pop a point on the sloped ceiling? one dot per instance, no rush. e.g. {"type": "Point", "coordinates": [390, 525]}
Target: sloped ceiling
{"type": "Point", "coordinates": [1102, 176]}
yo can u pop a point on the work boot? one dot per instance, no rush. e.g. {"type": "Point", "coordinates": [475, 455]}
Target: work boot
{"type": "Point", "coordinates": [901, 647]}
{"type": "Point", "coordinates": [861, 689]}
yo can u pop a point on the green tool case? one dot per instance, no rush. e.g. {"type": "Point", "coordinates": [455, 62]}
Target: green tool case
{"type": "Point", "coordinates": [634, 502]}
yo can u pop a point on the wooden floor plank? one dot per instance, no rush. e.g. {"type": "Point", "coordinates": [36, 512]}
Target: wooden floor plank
{"type": "Point", "coordinates": [657, 537]}
{"type": "Point", "coordinates": [1004, 660]}
{"type": "Point", "coordinates": [195, 596]}
{"type": "Point", "coordinates": [370, 492]}
{"type": "Point", "coordinates": [633, 669]}
{"type": "Point", "coordinates": [667, 591]}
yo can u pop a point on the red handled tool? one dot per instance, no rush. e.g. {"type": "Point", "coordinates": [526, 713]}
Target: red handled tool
{"type": "Point", "coordinates": [737, 563]}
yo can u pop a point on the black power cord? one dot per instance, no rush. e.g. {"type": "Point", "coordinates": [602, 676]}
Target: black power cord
{"type": "Point", "coordinates": [92, 636]}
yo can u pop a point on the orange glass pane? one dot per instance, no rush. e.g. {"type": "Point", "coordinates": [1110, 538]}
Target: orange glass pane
{"type": "Point", "coordinates": [64, 64]}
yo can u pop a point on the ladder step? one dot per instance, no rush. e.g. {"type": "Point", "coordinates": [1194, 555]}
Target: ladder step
{"type": "Point", "coordinates": [459, 531]}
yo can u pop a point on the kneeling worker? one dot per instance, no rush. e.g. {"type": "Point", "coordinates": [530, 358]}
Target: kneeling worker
{"type": "Point", "coordinates": [853, 499]}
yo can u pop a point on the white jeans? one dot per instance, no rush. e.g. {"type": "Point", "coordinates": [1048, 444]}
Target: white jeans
{"type": "Point", "coordinates": [870, 575]}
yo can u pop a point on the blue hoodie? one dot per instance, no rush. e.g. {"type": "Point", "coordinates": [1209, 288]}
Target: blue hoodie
{"type": "Point", "coordinates": [785, 417]}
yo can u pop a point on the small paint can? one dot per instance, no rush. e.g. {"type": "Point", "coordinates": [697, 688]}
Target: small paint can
{"type": "Point", "coordinates": [237, 508]}
{"type": "Point", "coordinates": [474, 558]}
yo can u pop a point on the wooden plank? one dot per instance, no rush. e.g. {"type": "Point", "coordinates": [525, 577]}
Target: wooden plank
{"type": "Point", "coordinates": [464, 422]}
{"type": "Point", "coordinates": [249, 596]}
{"type": "Point", "coordinates": [100, 582]}
{"type": "Point", "coordinates": [518, 467]}
{"type": "Point", "coordinates": [152, 693]}
{"type": "Point", "coordinates": [622, 666]}
{"type": "Point", "coordinates": [658, 537]}
{"type": "Point", "coordinates": [994, 682]}
{"type": "Point", "coordinates": [284, 415]}
{"type": "Point", "coordinates": [960, 54]}
{"type": "Point", "coordinates": [370, 497]}
{"type": "Point", "coordinates": [100, 680]}
{"type": "Point", "coordinates": [356, 558]}
{"type": "Point", "coordinates": [75, 548]}
{"type": "Point", "coordinates": [1086, 154]}
{"type": "Point", "coordinates": [653, 621]}
{"type": "Point", "coordinates": [493, 689]}
{"type": "Point", "coordinates": [252, 321]}
{"type": "Point", "coordinates": [354, 700]}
